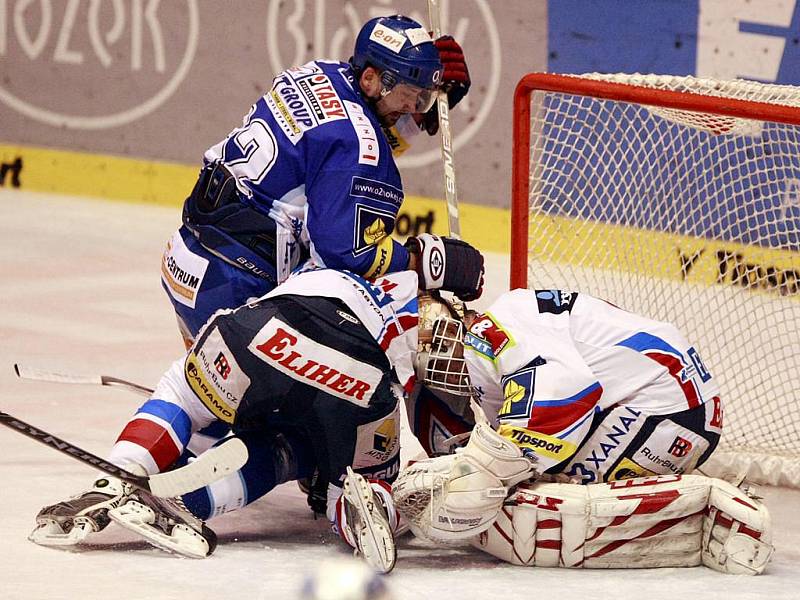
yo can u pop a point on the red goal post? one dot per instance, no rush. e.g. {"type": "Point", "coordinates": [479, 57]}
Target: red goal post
{"type": "Point", "coordinates": [679, 198]}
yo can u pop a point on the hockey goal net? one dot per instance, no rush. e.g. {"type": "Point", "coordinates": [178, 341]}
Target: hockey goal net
{"type": "Point", "coordinates": [677, 198]}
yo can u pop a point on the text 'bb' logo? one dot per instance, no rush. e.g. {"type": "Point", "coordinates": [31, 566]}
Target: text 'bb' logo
{"type": "Point", "coordinates": [680, 447]}
{"type": "Point", "coordinates": [222, 365]}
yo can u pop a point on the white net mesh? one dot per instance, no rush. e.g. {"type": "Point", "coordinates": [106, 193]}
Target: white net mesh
{"type": "Point", "coordinates": [689, 217]}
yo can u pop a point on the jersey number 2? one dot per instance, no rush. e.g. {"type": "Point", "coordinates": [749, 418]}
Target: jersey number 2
{"type": "Point", "coordinates": [259, 149]}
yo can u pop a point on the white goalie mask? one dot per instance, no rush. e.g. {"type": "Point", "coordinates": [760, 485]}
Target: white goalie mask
{"type": "Point", "coordinates": [440, 360]}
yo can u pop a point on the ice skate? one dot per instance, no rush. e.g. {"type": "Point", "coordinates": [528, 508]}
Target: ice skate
{"type": "Point", "coordinates": [166, 524]}
{"type": "Point", "coordinates": [368, 522]}
{"type": "Point", "coordinates": [70, 522]}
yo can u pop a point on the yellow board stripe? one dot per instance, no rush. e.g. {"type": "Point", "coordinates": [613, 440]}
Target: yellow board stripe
{"type": "Point", "coordinates": [665, 255]}
{"type": "Point", "coordinates": [100, 176]}
{"type": "Point", "coordinates": [488, 228]}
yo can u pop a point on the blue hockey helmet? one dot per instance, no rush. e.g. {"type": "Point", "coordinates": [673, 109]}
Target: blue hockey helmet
{"type": "Point", "coordinates": [401, 49]}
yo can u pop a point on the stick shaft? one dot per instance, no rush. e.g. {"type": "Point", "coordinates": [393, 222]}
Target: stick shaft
{"type": "Point", "coordinates": [448, 158]}
{"type": "Point", "coordinates": [71, 450]}
{"type": "Point", "coordinates": [212, 465]}
{"type": "Point", "coordinates": [32, 374]}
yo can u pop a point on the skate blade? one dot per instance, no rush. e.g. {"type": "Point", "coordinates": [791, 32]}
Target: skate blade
{"type": "Point", "coordinates": [49, 533]}
{"type": "Point", "coordinates": [138, 518]}
{"type": "Point", "coordinates": [375, 540]}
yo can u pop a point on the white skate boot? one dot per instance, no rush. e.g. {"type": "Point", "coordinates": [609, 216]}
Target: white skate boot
{"type": "Point", "coordinates": [70, 522]}
{"type": "Point", "coordinates": [166, 524]}
{"type": "Point", "coordinates": [367, 523]}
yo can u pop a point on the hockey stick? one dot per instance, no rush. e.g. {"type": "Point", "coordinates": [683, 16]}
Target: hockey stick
{"type": "Point", "coordinates": [210, 466]}
{"type": "Point", "coordinates": [453, 224]}
{"type": "Point", "coordinates": [38, 375]}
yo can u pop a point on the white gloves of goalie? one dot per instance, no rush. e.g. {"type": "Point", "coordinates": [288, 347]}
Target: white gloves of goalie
{"type": "Point", "coordinates": [448, 264]}
{"type": "Point", "coordinates": [450, 498]}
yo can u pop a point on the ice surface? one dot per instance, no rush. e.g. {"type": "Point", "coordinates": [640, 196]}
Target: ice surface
{"type": "Point", "coordinates": [80, 293]}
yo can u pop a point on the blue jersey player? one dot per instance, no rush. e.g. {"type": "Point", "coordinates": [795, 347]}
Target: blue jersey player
{"type": "Point", "coordinates": [309, 179]}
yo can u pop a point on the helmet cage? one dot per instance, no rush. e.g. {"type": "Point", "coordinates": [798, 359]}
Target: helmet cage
{"type": "Point", "coordinates": [440, 360]}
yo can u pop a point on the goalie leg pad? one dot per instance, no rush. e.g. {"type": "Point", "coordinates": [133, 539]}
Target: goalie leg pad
{"type": "Point", "coordinates": [663, 521]}
{"type": "Point", "coordinates": [737, 532]}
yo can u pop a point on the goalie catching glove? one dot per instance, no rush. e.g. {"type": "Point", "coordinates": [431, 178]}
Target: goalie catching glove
{"type": "Point", "coordinates": [449, 499]}
{"type": "Point", "coordinates": [444, 263]}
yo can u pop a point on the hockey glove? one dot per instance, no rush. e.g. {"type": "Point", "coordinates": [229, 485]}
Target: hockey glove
{"type": "Point", "coordinates": [316, 493]}
{"type": "Point", "coordinates": [455, 80]}
{"type": "Point", "coordinates": [448, 264]}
